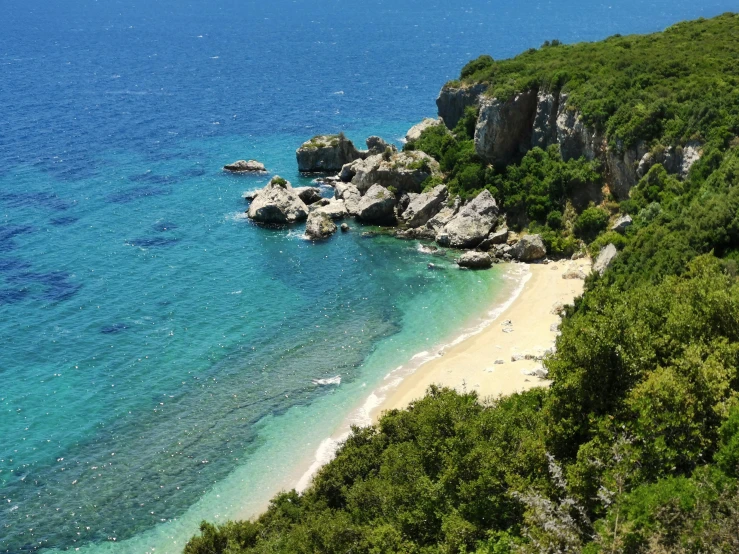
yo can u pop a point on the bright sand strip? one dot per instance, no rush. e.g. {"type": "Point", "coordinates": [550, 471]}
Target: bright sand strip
{"type": "Point", "coordinates": [470, 365]}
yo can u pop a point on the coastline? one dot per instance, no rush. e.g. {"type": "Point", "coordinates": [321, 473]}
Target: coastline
{"type": "Point", "coordinates": [467, 362]}
{"type": "Point", "coordinates": [470, 364]}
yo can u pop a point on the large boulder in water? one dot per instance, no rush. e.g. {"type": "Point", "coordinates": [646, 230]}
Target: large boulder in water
{"type": "Point", "coordinates": [404, 171]}
{"type": "Point", "coordinates": [245, 166]}
{"type": "Point", "coordinates": [529, 248]}
{"type": "Point", "coordinates": [423, 207]}
{"type": "Point", "coordinates": [324, 153]}
{"type": "Point", "coordinates": [309, 195]}
{"type": "Point", "coordinates": [472, 224]}
{"type": "Point", "coordinates": [377, 206]}
{"type": "Point", "coordinates": [319, 225]}
{"type": "Point", "coordinates": [475, 260]}
{"type": "Point", "coordinates": [278, 203]}
{"type": "Point", "coordinates": [335, 209]}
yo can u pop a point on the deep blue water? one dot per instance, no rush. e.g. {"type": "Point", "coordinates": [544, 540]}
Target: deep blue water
{"type": "Point", "coordinates": [156, 349]}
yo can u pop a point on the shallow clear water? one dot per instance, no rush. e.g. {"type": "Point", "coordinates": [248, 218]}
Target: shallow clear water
{"type": "Point", "coordinates": [157, 350]}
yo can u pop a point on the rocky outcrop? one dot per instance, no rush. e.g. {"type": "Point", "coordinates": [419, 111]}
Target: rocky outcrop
{"type": "Point", "coordinates": [605, 259]}
{"type": "Point", "coordinates": [472, 224]}
{"type": "Point", "coordinates": [575, 139]}
{"type": "Point", "coordinates": [404, 171]}
{"type": "Point", "coordinates": [621, 224]}
{"type": "Point", "coordinates": [319, 226]}
{"type": "Point", "coordinates": [445, 215]}
{"type": "Point", "coordinates": [622, 164]}
{"type": "Point", "coordinates": [245, 166]}
{"type": "Point", "coordinates": [475, 260]}
{"type": "Point", "coordinates": [309, 195]}
{"type": "Point", "coordinates": [529, 248]}
{"type": "Point", "coordinates": [494, 238]}
{"type": "Point", "coordinates": [277, 203]}
{"type": "Point", "coordinates": [423, 207]}
{"type": "Point", "coordinates": [414, 133]}
{"type": "Point", "coordinates": [453, 101]}
{"type": "Point", "coordinates": [377, 206]}
{"type": "Point", "coordinates": [335, 209]}
{"type": "Point", "coordinates": [350, 195]}
{"type": "Point", "coordinates": [376, 145]}
{"type": "Point", "coordinates": [505, 128]}
{"type": "Point", "coordinates": [544, 132]}
{"type": "Point", "coordinates": [325, 153]}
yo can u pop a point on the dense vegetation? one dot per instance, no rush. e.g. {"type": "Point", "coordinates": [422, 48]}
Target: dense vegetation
{"type": "Point", "coordinates": [635, 447]}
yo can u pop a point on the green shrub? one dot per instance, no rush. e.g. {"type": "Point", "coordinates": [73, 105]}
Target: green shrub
{"type": "Point", "coordinates": [476, 66]}
{"type": "Point", "coordinates": [609, 237]}
{"type": "Point", "coordinates": [554, 219]}
{"type": "Point", "coordinates": [591, 222]}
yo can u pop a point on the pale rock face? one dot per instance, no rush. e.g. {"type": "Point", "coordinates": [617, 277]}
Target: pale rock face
{"type": "Point", "coordinates": [377, 206]}
{"type": "Point", "coordinates": [335, 209]}
{"type": "Point", "coordinates": [691, 154]}
{"type": "Point", "coordinates": [326, 153]}
{"type": "Point", "coordinates": [423, 207]}
{"type": "Point", "coordinates": [605, 259]}
{"type": "Point", "coordinates": [574, 138]}
{"type": "Point", "coordinates": [545, 122]}
{"type": "Point", "coordinates": [453, 101]}
{"type": "Point", "coordinates": [405, 171]}
{"type": "Point", "coordinates": [277, 203]}
{"type": "Point", "coordinates": [472, 224]}
{"type": "Point", "coordinates": [529, 248]}
{"type": "Point", "coordinates": [414, 133]}
{"type": "Point", "coordinates": [445, 215]}
{"type": "Point", "coordinates": [504, 129]}
{"type": "Point", "coordinates": [319, 226]}
{"type": "Point", "coordinates": [622, 223]}
{"type": "Point", "coordinates": [622, 169]}
{"type": "Point", "coordinates": [475, 260]}
{"type": "Point", "coordinates": [351, 197]}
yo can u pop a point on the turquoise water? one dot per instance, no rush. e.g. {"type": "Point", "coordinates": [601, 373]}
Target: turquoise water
{"type": "Point", "coordinates": [157, 349]}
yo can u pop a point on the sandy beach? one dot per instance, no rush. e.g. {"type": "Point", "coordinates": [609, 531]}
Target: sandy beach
{"type": "Point", "coordinates": [493, 362]}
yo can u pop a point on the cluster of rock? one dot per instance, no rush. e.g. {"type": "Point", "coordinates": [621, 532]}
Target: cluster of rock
{"type": "Point", "coordinates": [246, 166]}
{"type": "Point", "coordinates": [507, 129]}
{"type": "Point", "coordinates": [329, 153]}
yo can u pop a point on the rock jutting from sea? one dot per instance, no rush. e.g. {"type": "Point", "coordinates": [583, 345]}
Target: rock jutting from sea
{"type": "Point", "coordinates": [386, 187]}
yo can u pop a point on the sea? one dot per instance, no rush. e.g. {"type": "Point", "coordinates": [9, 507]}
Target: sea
{"type": "Point", "coordinates": [162, 359]}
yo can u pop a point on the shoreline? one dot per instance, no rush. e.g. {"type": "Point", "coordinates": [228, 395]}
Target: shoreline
{"type": "Point", "coordinates": [529, 302]}
{"type": "Point", "coordinates": [495, 361]}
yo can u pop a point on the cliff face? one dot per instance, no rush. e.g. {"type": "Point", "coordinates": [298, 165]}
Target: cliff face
{"type": "Point", "coordinates": [506, 130]}
{"type": "Point", "coordinates": [452, 102]}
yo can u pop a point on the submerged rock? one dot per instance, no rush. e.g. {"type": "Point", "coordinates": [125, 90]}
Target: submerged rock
{"type": "Point", "coordinates": [472, 224]}
{"type": "Point", "coordinates": [277, 203]}
{"type": "Point", "coordinates": [324, 153]}
{"type": "Point", "coordinates": [245, 166]}
{"type": "Point", "coordinates": [345, 228]}
{"type": "Point", "coordinates": [530, 248]}
{"type": "Point", "coordinates": [475, 260]}
{"type": "Point", "coordinates": [377, 206]}
{"type": "Point", "coordinates": [319, 226]}
{"type": "Point", "coordinates": [422, 207]}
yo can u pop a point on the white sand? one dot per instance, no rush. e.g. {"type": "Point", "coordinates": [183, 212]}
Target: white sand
{"type": "Point", "coordinates": [470, 365]}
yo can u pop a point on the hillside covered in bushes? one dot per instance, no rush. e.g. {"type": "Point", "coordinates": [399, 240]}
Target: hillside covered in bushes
{"type": "Point", "coordinates": [635, 447]}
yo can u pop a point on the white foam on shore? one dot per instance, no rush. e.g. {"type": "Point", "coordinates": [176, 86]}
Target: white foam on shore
{"type": "Point", "coordinates": [363, 415]}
